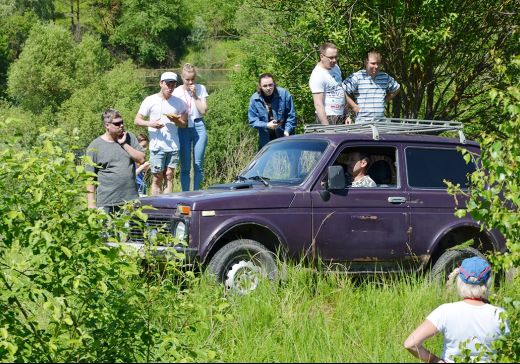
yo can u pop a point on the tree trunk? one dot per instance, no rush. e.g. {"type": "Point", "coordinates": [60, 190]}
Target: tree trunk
{"type": "Point", "coordinates": [72, 25]}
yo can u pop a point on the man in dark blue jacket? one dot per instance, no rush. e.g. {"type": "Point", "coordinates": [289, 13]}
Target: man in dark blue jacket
{"type": "Point", "coordinates": [271, 111]}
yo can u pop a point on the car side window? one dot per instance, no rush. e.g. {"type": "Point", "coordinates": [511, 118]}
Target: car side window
{"type": "Point", "coordinates": [429, 167]}
{"type": "Point", "coordinates": [369, 167]}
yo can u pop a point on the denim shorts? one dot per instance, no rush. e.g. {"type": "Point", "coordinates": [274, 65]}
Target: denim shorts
{"type": "Point", "coordinates": [159, 160]}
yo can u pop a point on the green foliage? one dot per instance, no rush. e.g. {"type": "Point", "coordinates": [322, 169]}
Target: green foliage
{"type": "Point", "coordinates": [65, 296]}
{"type": "Point", "coordinates": [119, 88]}
{"type": "Point", "coordinates": [54, 267]}
{"type": "Point", "coordinates": [61, 82]}
{"type": "Point", "coordinates": [44, 9]}
{"type": "Point", "coordinates": [14, 30]}
{"type": "Point", "coordinates": [213, 18]}
{"type": "Point", "coordinates": [322, 316]}
{"type": "Point", "coordinates": [215, 55]}
{"type": "Point", "coordinates": [508, 348]}
{"type": "Point", "coordinates": [101, 16]}
{"type": "Point", "coordinates": [438, 50]}
{"type": "Point", "coordinates": [494, 196]}
{"type": "Point", "coordinates": [4, 62]}
{"type": "Point", "coordinates": [231, 142]}
{"type": "Point", "coordinates": [214, 35]}
{"type": "Point", "coordinates": [92, 60]}
{"type": "Point", "coordinates": [150, 32]}
{"type": "Point", "coordinates": [20, 124]}
{"type": "Point", "coordinates": [42, 77]}
{"type": "Point", "coordinates": [50, 67]}
{"type": "Point", "coordinates": [7, 7]}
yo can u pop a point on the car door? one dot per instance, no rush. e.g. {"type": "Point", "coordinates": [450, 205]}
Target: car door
{"type": "Point", "coordinates": [366, 227]}
{"type": "Point", "coordinates": [431, 206]}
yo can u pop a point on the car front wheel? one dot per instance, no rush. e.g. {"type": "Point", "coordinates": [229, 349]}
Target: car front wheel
{"type": "Point", "coordinates": [241, 264]}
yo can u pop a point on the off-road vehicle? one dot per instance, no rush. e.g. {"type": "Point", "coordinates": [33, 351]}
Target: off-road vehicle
{"type": "Point", "coordinates": [294, 199]}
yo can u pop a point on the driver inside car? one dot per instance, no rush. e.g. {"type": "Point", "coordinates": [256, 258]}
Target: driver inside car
{"type": "Point", "coordinates": [355, 164]}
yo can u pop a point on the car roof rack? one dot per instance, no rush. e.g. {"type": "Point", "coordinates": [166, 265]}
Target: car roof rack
{"type": "Point", "coordinates": [378, 126]}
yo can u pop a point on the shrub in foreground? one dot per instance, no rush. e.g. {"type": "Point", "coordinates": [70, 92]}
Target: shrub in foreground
{"type": "Point", "coordinates": [65, 296]}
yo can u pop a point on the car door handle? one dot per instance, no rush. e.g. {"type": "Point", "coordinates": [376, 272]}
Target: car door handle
{"type": "Point", "coordinates": [365, 217]}
{"type": "Point", "coordinates": [397, 200]}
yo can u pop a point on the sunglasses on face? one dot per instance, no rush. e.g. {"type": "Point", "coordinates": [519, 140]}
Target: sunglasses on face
{"type": "Point", "coordinates": [117, 123]}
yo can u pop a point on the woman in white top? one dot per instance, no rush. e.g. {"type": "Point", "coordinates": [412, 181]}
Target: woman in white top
{"type": "Point", "coordinates": [464, 323]}
{"type": "Point", "coordinates": [194, 137]}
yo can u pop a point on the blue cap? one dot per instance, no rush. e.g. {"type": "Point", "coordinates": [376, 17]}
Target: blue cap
{"type": "Point", "coordinates": [475, 271]}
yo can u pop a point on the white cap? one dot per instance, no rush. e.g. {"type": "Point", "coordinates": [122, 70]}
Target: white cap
{"type": "Point", "coordinates": [169, 76]}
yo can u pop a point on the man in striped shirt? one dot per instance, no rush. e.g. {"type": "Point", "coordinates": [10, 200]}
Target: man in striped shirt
{"type": "Point", "coordinates": [371, 88]}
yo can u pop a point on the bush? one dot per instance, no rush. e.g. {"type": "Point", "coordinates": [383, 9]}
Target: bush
{"type": "Point", "coordinates": [66, 297]}
{"type": "Point", "coordinates": [13, 33]}
{"type": "Point", "coordinates": [151, 33]}
{"type": "Point", "coordinates": [52, 66]}
{"type": "Point", "coordinates": [19, 125]}
{"type": "Point", "coordinates": [42, 77]}
{"type": "Point", "coordinates": [493, 198]}
{"type": "Point", "coordinates": [231, 142]}
{"type": "Point", "coordinates": [92, 60]}
{"type": "Point", "coordinates": [120, 88]}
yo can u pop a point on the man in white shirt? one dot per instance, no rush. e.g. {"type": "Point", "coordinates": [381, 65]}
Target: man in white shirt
{"type": "Point", "coordinates": [327, 90]}
{"type": "Point", "coordinates": [163, 113]}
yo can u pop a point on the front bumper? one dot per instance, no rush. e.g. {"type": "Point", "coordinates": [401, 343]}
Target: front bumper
{"type": "Point", "coordinates": [159, 252]}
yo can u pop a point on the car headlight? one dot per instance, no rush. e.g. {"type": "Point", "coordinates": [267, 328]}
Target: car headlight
{"type": "Point", "coordinates": [180, 230]}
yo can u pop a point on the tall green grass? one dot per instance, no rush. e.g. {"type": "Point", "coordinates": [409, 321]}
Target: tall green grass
{"type": "Point", "coordinates": [314, 316]}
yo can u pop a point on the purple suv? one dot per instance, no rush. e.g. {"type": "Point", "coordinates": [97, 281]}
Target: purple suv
{"type": "Point", "coordinates": [294, 201]}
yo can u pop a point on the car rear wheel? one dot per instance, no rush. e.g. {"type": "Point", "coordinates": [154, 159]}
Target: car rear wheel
{"type": "Point", "coordinates": [241, 264]}
{"type": "Point", "coordinates": [451, 259]}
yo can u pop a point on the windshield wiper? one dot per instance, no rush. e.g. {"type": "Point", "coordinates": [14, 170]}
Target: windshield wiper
{"type": "Point", "coordinates": [240, 178]}
{"type": "Point", "coordinates": [261, 179]}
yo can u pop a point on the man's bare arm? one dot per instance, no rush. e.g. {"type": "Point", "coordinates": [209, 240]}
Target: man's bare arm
{"type": "Point", "coordinates": [140, 121]}
{"type": "Point", "coordinates": [391, 95]}
{"type": "Point", "coordinates": [352, 104]}
{"type": "Point", "coordinates": [91, 196]}
{"type": "Point", "coordinates": [319, 105]}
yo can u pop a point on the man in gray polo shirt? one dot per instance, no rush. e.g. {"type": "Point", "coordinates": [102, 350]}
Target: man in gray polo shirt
{"type": "Point", "coordinates": [371, 89]}
{"type": "Point", "coordinates": [115, 154]}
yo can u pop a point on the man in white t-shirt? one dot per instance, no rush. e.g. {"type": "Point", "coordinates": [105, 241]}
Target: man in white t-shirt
{"type": "Point", "coordinates": [327, 90]}
{"type": "Point", "coordinates": [163, 113]}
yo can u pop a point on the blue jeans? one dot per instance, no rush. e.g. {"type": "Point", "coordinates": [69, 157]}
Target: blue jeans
{"type": "Point", "coordinates": [195, 138]}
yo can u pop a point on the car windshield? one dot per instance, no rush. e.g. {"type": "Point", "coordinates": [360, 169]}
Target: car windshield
{"type": "Point", "coordinates": [285, 162]}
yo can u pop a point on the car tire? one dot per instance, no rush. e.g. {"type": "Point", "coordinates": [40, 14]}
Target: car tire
{"type": "Point", "coordinates": [451, 259]}
{"type": "Point", "coordinates": [241, 264]}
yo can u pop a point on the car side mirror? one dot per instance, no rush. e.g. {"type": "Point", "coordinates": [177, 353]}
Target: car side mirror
{"type": "Point", "coordinates": [336, 178]}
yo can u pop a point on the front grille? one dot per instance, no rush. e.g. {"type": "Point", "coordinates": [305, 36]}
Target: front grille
{"type": "Point", "coordinates": [155, 224]}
